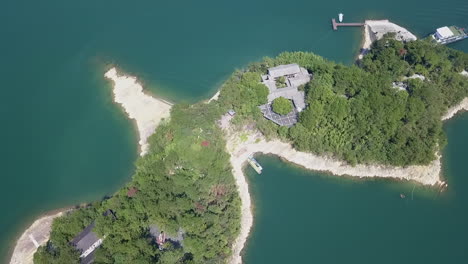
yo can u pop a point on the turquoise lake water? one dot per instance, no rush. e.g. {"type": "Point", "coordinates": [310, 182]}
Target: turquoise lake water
{"type": "Point", "coordinates": [63, 141]}
{"type": "Point", "coordinates": [306, 217]}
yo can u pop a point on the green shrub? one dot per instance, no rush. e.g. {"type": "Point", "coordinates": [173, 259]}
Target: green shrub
{"type": "Point", "coordinates": [280, 82]}
{"type": "Point", "coordinates": [282, 106]}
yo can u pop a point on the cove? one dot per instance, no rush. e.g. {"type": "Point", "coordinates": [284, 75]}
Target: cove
{"type": "Point", "coordinates": [307, 217]}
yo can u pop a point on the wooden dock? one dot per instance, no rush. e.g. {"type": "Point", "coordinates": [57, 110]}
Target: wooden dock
{"type": "Point", "coordinates": [336, 25]}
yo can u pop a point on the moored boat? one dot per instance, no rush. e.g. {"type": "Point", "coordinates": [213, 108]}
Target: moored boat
{"type": "Point", "coordinates": [254, 163]}
{"type": "Point", "coordinates": [446, 35]}
{"type": "Point", "coordinates": [340, 17]}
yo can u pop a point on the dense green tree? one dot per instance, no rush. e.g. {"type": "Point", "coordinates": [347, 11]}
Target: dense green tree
{"type": "Point", "coordinates": [354, 113]}
{"type": "Point", "coordinates": [282, 106]}
{"type": "Point", "coordinates": [184, 183]}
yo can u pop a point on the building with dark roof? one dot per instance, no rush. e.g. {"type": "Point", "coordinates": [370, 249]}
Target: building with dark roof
{"type": "Point", "coordinates": [86, 243]}
{"type": "Point", "coordinates": [293, 76]}
{"type": "Point", "coordinates": [283, 70]}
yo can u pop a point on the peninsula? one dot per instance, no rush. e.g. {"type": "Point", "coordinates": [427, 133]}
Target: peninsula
{"type": "Point", "coordinates": [146, 110]}
{"type": "Point", "coordinates": [190, 184]}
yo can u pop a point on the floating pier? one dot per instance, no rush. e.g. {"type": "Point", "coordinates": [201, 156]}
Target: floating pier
{"type": "Point", "coordinates": [336, 25]}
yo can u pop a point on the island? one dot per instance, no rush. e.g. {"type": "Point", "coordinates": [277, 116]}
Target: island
{"type": "Point", "coordinates": [188, 200]}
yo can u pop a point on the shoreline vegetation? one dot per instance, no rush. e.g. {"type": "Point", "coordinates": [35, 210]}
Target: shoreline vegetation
{"type": "Point", "coordinates": [376, 29]}
{"type": "Point", "coordinates": [147, 112]}
{"type": "Point", "coordinates": [24, 249]}
{"type": "Point", "coordinates": [243, 144]}
{"type": "Point", "coordinates": [190, 146]}
{"type": "Point", "coordinates": [205, 212]}
{"type": "Point", "coordinates": [240, 149]}
{"type": "Point", "coordinates": [462, 106]}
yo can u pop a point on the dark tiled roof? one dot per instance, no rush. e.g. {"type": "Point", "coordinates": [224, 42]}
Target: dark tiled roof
{"type": "Point", "coordinates": [111, 213]}
{"type": "Point", "coordinates": [282, 70]}
{"type": "Point", "coordinates": [85, 239]}
{"type": "Point", "coordinates": [88, 259]}
{"type": "Point", "coordinates": [283, 120]}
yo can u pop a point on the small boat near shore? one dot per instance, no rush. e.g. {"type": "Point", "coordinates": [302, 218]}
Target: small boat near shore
{"type": "Point", "coordinates": [340, 17]}
{"type": "Point", "coordinates": [446, 35]}
{"type": "Point", "coordinates": [254, 163]}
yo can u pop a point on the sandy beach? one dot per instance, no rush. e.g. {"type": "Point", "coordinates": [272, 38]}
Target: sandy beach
{"type": "Point", "coordinates": [215, 96]}
{"type": "Point", "coordinates": [146, 110]}
{"type": "Point", "coordinates": [375, 29]}
{"type": "Point", "coordinates": [36, 235]}
{"type": "Point", "coordinates": [367, 40]}
{"type": "Point", "coordinates": [381, 27]}
{"type": "Point", "coordinates": [256, 143]}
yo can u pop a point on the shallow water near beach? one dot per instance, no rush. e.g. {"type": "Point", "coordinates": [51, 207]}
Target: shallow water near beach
{"type": "Point", "coordinates": [63, 141]}
{"type": "Point", "coordinates": [307, 217]}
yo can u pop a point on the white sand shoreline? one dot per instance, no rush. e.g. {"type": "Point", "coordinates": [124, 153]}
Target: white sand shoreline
{"type": "Point", "coordinates": [215, 96]}
{"type": "Point", "coordinates": [37, 234]}
{"type": "Point", "coordinates": [256, 143]}
{"type": "Point", "coordinates": [375, 29]}
{"type": "Point", "coordinates": [146, 110]}
{"type": "Point", "coordinates": [452, 111]}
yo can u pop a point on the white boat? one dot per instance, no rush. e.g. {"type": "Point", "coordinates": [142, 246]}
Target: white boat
{"type": "Point", "coordinates": [254, 163]}
{"type": "Point", "coordinates": [340, 17]}
{"type": "Point", "coordinates": [446, 35]}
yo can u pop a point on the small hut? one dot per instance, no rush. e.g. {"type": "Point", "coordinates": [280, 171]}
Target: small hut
{"type": "Point", "coordinates": [131, 192]}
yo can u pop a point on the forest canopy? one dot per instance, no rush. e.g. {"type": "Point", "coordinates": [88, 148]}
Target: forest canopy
{"type": "Point", "coordinates": [184, 183]}
{"type": "Point", "coordinates": [355, 114]}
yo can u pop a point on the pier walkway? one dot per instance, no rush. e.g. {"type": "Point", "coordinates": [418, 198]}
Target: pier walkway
{"type": "Point", "coordinates": [336, 25]}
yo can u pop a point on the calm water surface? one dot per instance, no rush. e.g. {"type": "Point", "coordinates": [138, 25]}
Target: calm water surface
{"type": "Point", "coordinates": [306, 217]}
{"type": "Point", "coordinates": [62, 139]}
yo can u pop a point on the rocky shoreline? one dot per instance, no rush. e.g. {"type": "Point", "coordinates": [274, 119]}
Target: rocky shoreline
{"type": "Point", "coordinates": [256, 143]}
